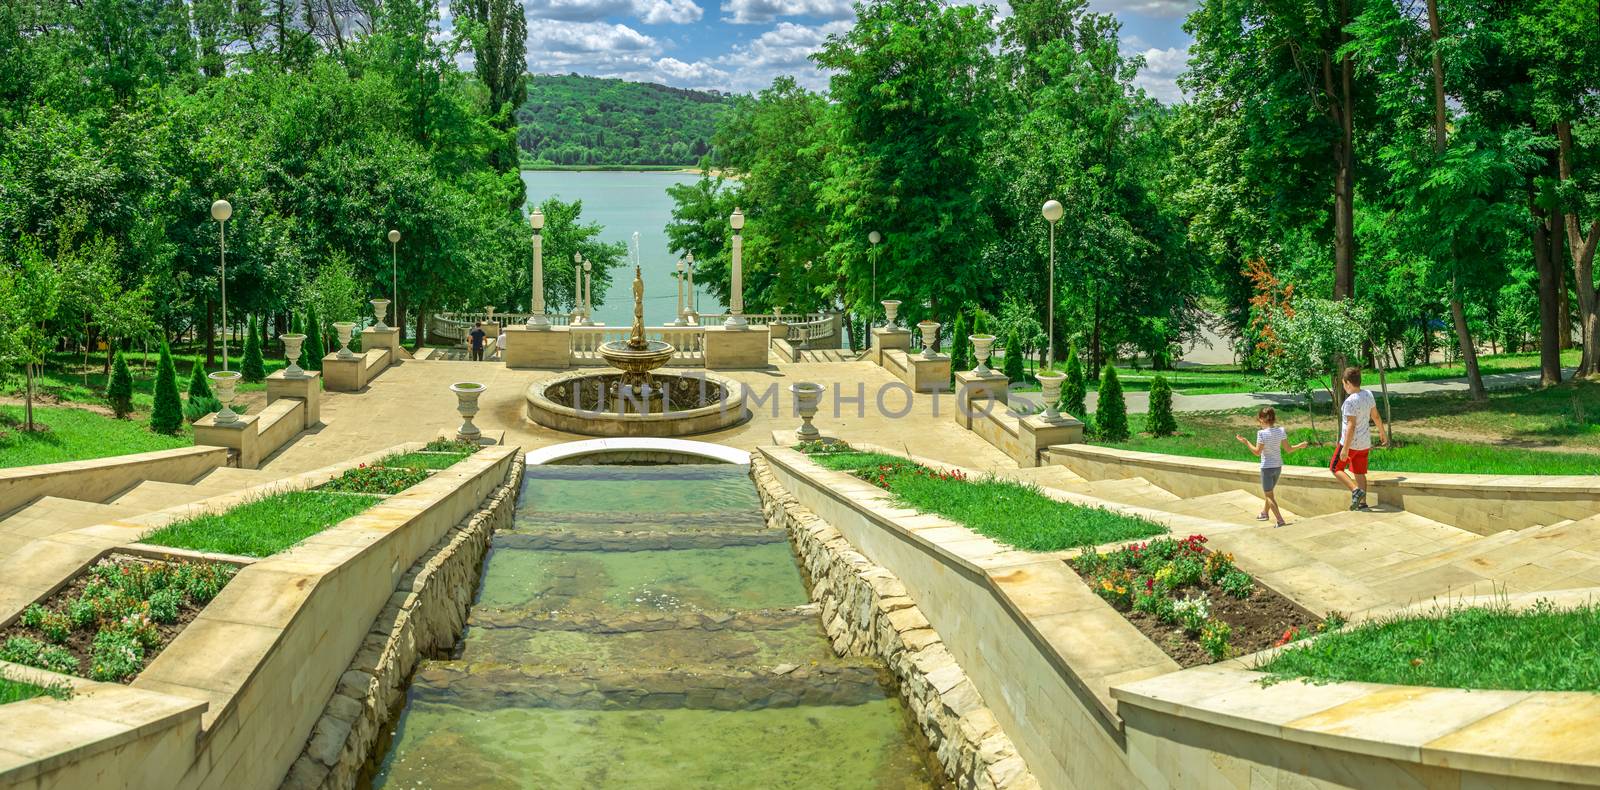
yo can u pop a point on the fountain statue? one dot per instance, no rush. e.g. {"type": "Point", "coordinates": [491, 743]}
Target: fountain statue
{"type": "Point", "coordinates": [637, 401]}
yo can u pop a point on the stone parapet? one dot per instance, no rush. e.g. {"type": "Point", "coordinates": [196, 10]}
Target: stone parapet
{"type": "Point", "coordinates": [972, 388]}
{"type": "Point", "coordinates": [351, 375]}
{"type": "Point", "coordinates": [307, 389]}
{"type": "Point", "coordinates": [884, 339]}
{"type": "Point", "coordinates": [253, 437]}
{"type": "Point", "coordinates": [921, 374]}
{"type": "Point", "coordinates": [99, 479]}
{"type": "Point", "coordinates": [736, 349]}
{"type": "Point", "coordinates": [522, 347]}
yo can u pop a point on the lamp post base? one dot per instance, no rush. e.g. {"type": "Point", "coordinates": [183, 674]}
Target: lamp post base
{"type": "Point", "coordinates": [736, 321]}
{"type": "Point", "coordinates": [538, 323]}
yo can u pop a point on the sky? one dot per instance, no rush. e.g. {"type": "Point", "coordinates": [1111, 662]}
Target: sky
{"type": "Point", "coordinates": [742, 45]}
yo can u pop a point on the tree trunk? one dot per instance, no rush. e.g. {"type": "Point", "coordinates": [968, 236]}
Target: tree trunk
{"type": "Point", "coordinates": [211, 333]}
{"type": "Point", "coordinates": [1341, 106]}
{"type": "Point", "coordinates": [1549, 303]}
{"type": "Point", "coordinates": [1458, 312]}
{"type": "Point", "coordinates": [422, 333]}
{"type": "Point", "coordinates": [1469, 354]}
{"type": "Point", "coordinates": [1583, 251]}
{"type": "Point", "coordinates": [28, 399]}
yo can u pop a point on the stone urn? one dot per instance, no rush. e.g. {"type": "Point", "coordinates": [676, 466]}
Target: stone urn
{"type": "Point", "coordinates": [291, 352]}
{"type": "Point", "coordinates": [930, 338]}
{"type": "Point", "coordinates": [345, 329]}
{"type": "Point", "coordinates": [891, 312]}
{"type": "Point", "coordinates": [222, 385]}
{"type": "Point", "coordinates": [982, 345]}
{"type": "Point", "coordinates": [1050, 389]}
{"type": "Point", "coordinates": [806, 397]}
{"type": "Point", "coordinates": [467, 393]}
{"type": "Point", "coordinates": [380, 308]}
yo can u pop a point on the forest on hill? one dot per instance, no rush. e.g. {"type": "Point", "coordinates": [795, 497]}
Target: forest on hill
{"type": "Point", "coordinates": [587, 121]}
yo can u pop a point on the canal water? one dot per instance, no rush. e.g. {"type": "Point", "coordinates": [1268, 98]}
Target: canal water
{"type": "Point", "coordinates": [642, 627]}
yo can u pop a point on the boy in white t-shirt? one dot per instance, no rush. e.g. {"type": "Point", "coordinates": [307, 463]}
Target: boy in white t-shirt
{"type": "Point", "coordinates": [1270, 444]}
{"type": "Point", "coordinates": [1356, 416]}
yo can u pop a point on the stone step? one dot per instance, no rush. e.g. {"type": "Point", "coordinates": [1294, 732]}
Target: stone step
{"type": "Point", "coordinates": [636, 540]}
{"type": "Point", "coordinates": [1235, 507]}
{"type": "Point", "coordinates": [1048, 476]}
{"type": "Point", "coordinates": [1301, 576]}
{"type": "Point", "coordinates": [227, 478]}
{"type": "Point", "coordinates": [155, 495]}
{"type": "Point", "coordinates": [50, 515]}
{"type": "Point", "coordinates": [496, 686]}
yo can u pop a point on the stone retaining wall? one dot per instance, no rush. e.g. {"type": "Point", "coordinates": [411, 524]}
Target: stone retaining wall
{"type": "Point", "coordinates": [867, 612]}
{"type": "Point", "coordinates": [424, 617]}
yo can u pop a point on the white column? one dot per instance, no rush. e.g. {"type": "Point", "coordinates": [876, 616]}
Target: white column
{"type": "Point", "coordinates": [538, 320]}
{"type": "Point", "coordinates": [736, 319]}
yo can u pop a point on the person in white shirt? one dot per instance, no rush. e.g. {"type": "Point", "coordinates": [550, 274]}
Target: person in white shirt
{"type": "Point", "coordinates": [1270, 444]}
{"type": "Point", "coordinates": [1357, 414]}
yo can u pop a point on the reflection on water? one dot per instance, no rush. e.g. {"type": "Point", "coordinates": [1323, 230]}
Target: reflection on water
{"type": "Point", "coordinates": [640, 627]}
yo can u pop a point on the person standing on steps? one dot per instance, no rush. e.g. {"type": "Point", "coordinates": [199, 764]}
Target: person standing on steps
{"type": "Point", "coordinates": [477, 341]}
{"type": "Point", "coordinates": [1270, 445]}
{"type": "Point", "coordinates": [1359, 412]}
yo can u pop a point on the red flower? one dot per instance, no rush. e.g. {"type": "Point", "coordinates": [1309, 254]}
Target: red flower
{"type": "Point", "coordinates": [1288, 636]}
{"type": "Point", "coordinates": [1150, 585]}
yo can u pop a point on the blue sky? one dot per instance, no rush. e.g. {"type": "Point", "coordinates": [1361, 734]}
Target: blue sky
{"type": "Point", "coordinates": [741, 45]}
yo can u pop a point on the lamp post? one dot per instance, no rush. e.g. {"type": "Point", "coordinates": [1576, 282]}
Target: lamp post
{"type": "Point", "coordinates": [394, 277]}
{"type": "Point", "coordinates": [694, 296]}
{"type": "Point", "coordinates": [805, 334]}
{"type": "Point", "coordinates": [537, 319]}
{"type": "Point", "coordinates": [577, 289]}
{"type": "Point", "coordinates": [1052, 213]}
{"type": "Point", "coordinates": [588, 293]}
{"type": "Point", "coordinates": [680, 320]}
{"type": "Point", "coordinates": [874, 237]}
{"type": "Point", "coordinates": [221, 210]}
{"type": "Point", "coordinates": [736, 318]}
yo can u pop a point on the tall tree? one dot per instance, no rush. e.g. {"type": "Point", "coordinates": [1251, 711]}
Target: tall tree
{"type": "Point", "coordinates": [498, 32]}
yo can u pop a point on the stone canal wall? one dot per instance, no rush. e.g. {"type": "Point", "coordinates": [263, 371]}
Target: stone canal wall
{"type": "Point", "coordinates": [867, 612]}
{"type": "Point", "coordinates": [424, 617]}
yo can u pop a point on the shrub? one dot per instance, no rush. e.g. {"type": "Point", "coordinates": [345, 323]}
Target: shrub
{"type": "Point", "coordinates": [1160, 421]}
{"type": "Point", "coordinates": [1111, 413]}
{"type": "Point", "coordinates": [451, 446]}
{"type": "Point", "coordinates": [83, 612]}
{"type": "Point", "coordinates": [1013, 366]}
{"type": "Point", "coordinates": [165, 604]}
{"type": "Point", "coordinates": [376, 480]}
{"type": "Point", "coordinates": [56, 626]}
{"type": "Point", "coordinates": [120, 391]}
{"type": "Point", "coordinates": [960, 346]}
{"type": "Point", "coordinates": [166, 416]}
{"type": "Point", "coordinates": [33, 616]}
{"type": "Point", "coordinates": [1075, 390]}
{"type": "Point", "coordinates": [1193, 612]}
{"type": "Point", "coordinates": [311, 356]}
{"type": "Point", "coordinates": [199, 385]}
{"type": "Point", "coordinates": [253, 368]}
{"type": "Point", "coordinates": [33, 653]}
{"type": "Point", "coordinates": [1237, 583]}
{"type": "Point", "coordinates": [115, 655]}
{"type": "Point", "coordinates": [199, 406]}
{"type": "Point", "coordinates": [1214, 638]}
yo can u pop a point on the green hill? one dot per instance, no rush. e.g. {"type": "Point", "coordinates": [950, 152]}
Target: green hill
{"type": "Point", "coordinates": [572, 120]}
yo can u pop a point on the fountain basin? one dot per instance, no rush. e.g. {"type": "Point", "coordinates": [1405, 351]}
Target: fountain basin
{"type": "Point", "coordinates": [609, 404]}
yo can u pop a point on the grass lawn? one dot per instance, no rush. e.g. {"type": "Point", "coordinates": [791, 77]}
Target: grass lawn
{"type": "Point", "coordinates": [66, 379]}
{"type": "Point", "coordinates": [1496, 437]}
{"type": "Point", "coordinates": [17, 691]}
{"type": "Point", "coordinates": [263, 527]}
{"type": "Point", "coordinates": [76, 434]}
{"type": "Point", "coordinates": [1543, 649]}
{"type": "Point", "coordinates": [422, 460]}
{"type": "Point", "coordinates": [1009, 512]}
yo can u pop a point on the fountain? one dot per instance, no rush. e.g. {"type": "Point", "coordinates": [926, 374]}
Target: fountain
{"type": "Point", "coordinates": [637, 400]}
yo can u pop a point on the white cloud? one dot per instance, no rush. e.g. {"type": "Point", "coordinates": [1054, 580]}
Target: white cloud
{"type": "Point", "coordinates": [677, 12]}
{"type": "Point", "coordinates": [1159, 77]}
{"type": "Point", "coordinates": [758, 12]}
{"type": "Point", "coordinates": [584, 37]}
{"type": "Point", "coordinates": [650, 12]}
{"type": "Point", "coordinates": [1159, 9]}
{"type": "Point", "coordinates": [785, 49]}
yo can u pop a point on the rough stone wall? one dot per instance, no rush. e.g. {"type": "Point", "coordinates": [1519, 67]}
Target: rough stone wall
{"type": "Point", "coordinates": [867, 612]}
{"type": "Point", "coordinates": [424, 617]}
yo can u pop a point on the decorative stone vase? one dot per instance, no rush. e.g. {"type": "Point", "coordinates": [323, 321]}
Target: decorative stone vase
{"type": "Point", "coordinates": [222, 385]}
{"type": "Point", "coordinates": [467, 393]}
{"type": "Point", "coordinates": [291, 352]}
{"type": "Point", "coordinates": [981, 346]}
{"type": "Point", "coordinates": [1050, 385]}
{"type": "Point", "coordinates": [345, 328]}
{"type": "Point", "coordinates": [806, 397]}
{"type": "Point", "coordinates": [380, 308]}
{"type": "Point", "coordinates": [930, 338]}
{"type": "Point", "coordinates": [891, 311]}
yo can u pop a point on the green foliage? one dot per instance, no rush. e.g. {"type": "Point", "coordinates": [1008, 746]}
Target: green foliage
{"type": "Point", "coordinates": [1013, 364]}
{"type": "Point", "coordinates": [565, 234]}
{"type": "Point", "coordinates": [75, 435]}
{"type": "Point", "coordinates": [33, 653]}
{"type": "Point", "coordinates": [423, 460]}
{"type": "Point", "coordinates": [119, 392]}
{"type": "Point", "coordinates": [17, 690]}
{"type": "Point", "coordinates": [376, 480]}
{"type": "Point", "coordinates": [1075, 390]}
{"type": "Point", "coordinates": [1214, 638]}
{"type": "Point", "coordinates": [254, 368]}
{"type": "Point", "coordinates": [577, 120]}
{"type": "Point", "coordinates": [263, 527]}
{"type": "Point", "coordinates": [960, 346]}
{"type": "Point", "coordinates": [116, 655]}
{"type": "Point", "coordinates": [312, 350]}
{"type": "Point", "coordinates": [166, 416]}
{"type": "Point", "coordinates": [199, 385]}
{"type": "Point", "coordinates": [451, 446]}
{"type": "Point", "coordinates": [1159, 421]}
{"type": "Point", "coordinates": [199, 406]}
{"type": "Point", "coordinates": [1111, 411]}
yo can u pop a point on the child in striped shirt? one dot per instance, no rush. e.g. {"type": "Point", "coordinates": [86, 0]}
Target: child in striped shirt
{"type": "Point", "coordinates": [1270, 444]}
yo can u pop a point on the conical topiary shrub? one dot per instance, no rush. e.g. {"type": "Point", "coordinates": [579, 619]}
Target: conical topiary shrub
{"type": "Point", "coordinates": [1110, 412]}
{"type": "Point", "coordinates": [199, 386]}
{"type": "Point", "coordinates": [254, 368]}
{"type": "Point", "coordinates": [1075, 390]}
{"type": "Point", "coordinates": [313, 350]}
{"type": "Point", "coordinates": [119, 391]}
{"type": "Point", "coordinates": [1160, 421]}
{"type": "Point", "coordinates": [1013, 366]}
{"type": "Point", "coordinates": [960, 346]}
{"type": "Point", "coordinates": [166, 416]}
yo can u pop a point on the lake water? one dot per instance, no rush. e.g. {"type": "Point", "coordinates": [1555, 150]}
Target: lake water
{"type": "Point", "coordinates": [622, 203]}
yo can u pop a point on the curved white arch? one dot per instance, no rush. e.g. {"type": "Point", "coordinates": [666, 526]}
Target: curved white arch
{"type": "Point", "coordinates": [600, 447]}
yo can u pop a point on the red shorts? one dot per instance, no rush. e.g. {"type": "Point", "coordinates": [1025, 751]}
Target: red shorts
{"type": "Point", "coordinates": [1354, 460]}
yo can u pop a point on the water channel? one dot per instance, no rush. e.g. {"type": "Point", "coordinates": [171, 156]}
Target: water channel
{"type": "Point", "coordinates": [641, 627]}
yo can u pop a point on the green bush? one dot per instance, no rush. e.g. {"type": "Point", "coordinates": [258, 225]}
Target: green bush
{"type": "Point", "coordinates": [120, 391]}
{"type": "Point", "coordinates": [1013, 366]}
{"type": "Point", "coordinates": [960, 347]}
{"type": "Point", "coordinates": [33, 653]}
{"type": "Point", "coordinates": [254, 368]}
{"type": "Point", "coordinates": [1075, 390]}
{"type": "Point", "coordinates": [199, 385]}
{"type": "Point", "coordinates": [166, 415]}
{"type": "Point", "coordinates": [165, 604]}
{"type": "Point", "coordinates": [313, 350]}
{"type": "Point", "coordinates": [1111, 413]}
{"type": "Point", "coordinates": [200, 406]}
{"type": "Point", "coordinates": [1160, 421]}
{"type": "Point", "coordinates": [115, 655]}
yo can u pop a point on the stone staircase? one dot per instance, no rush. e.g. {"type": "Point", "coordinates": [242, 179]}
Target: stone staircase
{"type": "Point", "coordinates": [1365, 562]}
{"type": "Point", "coordinates": [51, 515]}
{"type": "Point", "coordinates": [829, 355]}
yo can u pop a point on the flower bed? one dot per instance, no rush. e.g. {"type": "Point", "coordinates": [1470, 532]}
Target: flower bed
{"type": "Point", "coordinates": [1192, 602]}
{"type": "Point", "coordinates": [109, 622]}
{"type": "Point", "coordinates": [1010, 512]}
{"type": "Point", "coordinates": [451, 446]}
{"type": "Point", "coordinates": [423, 460]}
{"type": "Point", "coordinates": [380, 479]}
